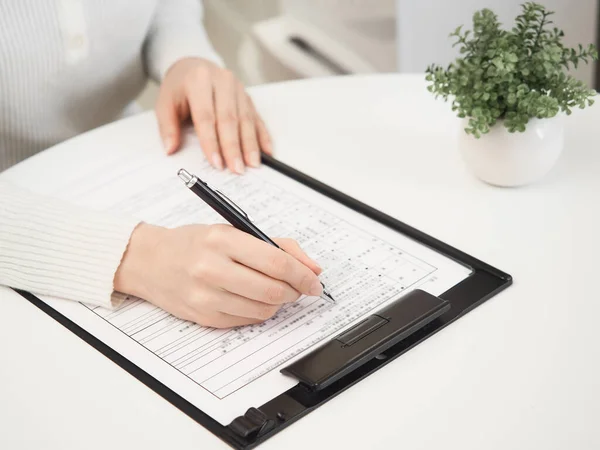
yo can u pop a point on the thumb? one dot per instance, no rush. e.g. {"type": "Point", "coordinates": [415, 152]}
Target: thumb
{"type": "Point", "coordinates": [168, 124]}
{"type": "Point", "coordinates": [291, 246]}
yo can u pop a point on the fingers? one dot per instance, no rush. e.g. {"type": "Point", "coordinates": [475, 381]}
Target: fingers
{"type": "Point", "coordinates": [252, 268]}
{"type": "Point", "coordinates": [168, 122]}
{"type": "Point", "coordinates": [292, 247]}
{"type": "Point", "coordinates": [230, 131]}
{"type": "Point", "coordinates": [221, 309]}
{"type": "Point", "coordinates": [227, 121]}
{"type": "Point", "coordinates": [241, 280]}
{"type": "Point", "coordinates": [247, 128]}
{"type": "Point", "coordinates": [220, 320]}
{"type": "Point", "coordinates": [236, 305]}
{"type": "Point", "coordinates": [273, 262]}
{"type": "Point", "coordinates": [200, 98]}
{"type": "Point", "coordinates": [264, 137]}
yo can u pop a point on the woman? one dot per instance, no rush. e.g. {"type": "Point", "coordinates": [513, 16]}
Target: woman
{"type": "Point", "coordinates": [67, 66]}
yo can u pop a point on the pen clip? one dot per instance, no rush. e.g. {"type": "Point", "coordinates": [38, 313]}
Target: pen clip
{"type": "Point", "coordinates": [232, 204]}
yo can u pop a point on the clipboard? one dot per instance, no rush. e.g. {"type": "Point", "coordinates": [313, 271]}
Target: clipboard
{"type": "Point", "coordinates": [347, 358]}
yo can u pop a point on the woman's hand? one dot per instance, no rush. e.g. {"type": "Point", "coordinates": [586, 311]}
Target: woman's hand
{"type": "Point", "coordinates": [215, 275]}
{"type": "Point", "coordinates": [230, 131]}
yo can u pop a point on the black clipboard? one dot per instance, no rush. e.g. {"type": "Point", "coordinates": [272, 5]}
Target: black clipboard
{"type": "Point", "coordinates": [351, 355]}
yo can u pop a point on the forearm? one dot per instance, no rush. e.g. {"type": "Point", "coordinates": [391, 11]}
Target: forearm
{"type": "Point", "coordinates": [49, 247]}
{"type": "Point", "coordinates": [176, 32]}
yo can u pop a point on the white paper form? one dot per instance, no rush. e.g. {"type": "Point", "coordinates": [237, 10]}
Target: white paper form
{"type": "Point", "coordinates": [223, 372]}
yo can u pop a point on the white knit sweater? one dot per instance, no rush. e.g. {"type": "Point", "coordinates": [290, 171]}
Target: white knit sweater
{"type": "Point", "coordinates": [67, 66]}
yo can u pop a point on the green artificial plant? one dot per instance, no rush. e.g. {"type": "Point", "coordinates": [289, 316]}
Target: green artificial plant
{"type": "Point", "coordinates": [511, 76]}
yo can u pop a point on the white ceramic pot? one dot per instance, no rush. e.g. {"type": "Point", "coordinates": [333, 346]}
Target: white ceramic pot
{"type": "Point", "coordinates": [513, 159]}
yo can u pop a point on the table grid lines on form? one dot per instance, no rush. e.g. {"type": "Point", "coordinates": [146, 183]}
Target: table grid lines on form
{"type": "Point", "coordinates": [361, 270]}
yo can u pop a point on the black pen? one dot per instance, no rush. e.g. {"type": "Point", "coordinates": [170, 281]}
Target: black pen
{"type": "Point", "coordinates": [228, 210]}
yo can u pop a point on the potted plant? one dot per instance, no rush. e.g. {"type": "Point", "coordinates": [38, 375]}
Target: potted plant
{"type": "Point", "coordinates": [512, 90]}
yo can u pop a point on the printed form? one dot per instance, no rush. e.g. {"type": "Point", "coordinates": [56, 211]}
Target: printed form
{"type": "Point", "coordinates": [225, 371]}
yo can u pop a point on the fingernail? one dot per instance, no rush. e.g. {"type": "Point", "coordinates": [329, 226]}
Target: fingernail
{"type": "Point", "coordinates": [168, 143]}
{"type": "Point", "coordinates": [238, 166]}
{"type": "Point", "coordinates": [217, 161]}
{"type": "Point", "coordinates": [254, 159]}
{"type": "Point", "coordinates": [316, 288]}
{"type": "Point", "coordinates": [269, 148]}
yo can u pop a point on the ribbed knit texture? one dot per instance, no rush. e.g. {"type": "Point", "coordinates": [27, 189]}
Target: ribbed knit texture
{"type": "Point", "coordinates": [68, 66]}
{"type": "Point", "coordinates": [49, 247]}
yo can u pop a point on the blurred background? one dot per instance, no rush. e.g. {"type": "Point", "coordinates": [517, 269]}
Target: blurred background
{"type": "Point", "coordinates": [265, 41]}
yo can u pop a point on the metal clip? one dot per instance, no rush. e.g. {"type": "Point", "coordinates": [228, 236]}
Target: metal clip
{"type": "Point", "coordinates": [232, 203]}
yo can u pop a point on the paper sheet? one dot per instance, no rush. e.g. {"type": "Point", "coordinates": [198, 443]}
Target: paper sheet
{"type": "Point", "coordinates": [223, 372]}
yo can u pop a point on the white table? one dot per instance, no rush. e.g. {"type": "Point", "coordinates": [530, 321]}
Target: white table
{"type": "Point", "coordinates": [519, 372]}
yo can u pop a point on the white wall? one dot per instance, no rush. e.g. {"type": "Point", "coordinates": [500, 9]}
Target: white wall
{"type": "Point", "coordinates": [423, 27]}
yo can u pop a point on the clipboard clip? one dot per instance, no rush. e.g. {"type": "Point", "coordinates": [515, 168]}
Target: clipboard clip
{"type": "Point", "coordinates": [347, 354]}
{"type": "Point", "coordinates": [367, 340]}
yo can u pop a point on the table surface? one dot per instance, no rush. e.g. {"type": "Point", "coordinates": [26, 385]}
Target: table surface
{"type": "Point", "coordinates": [519, 372]}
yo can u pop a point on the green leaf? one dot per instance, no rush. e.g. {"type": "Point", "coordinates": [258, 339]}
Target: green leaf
{"type": "Point", "coordinates": [456, 32]}
{"type": "Point", "coordinates": [511, 74]}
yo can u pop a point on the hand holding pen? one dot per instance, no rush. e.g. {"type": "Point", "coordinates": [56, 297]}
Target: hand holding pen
{"type": "Point", "coordinates": [215, 275]}
{"type": "Point", "coordinates": [231, 212]}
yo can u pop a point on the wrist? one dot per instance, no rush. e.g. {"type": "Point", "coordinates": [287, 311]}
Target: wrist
{"type": "Point", "coordinates": [137, 263]}
{"type": "Point", "coordinates": [189, 62]}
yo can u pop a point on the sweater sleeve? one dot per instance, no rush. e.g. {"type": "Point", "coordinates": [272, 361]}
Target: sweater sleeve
{"type": "Point", "coordinates": [49, 247]}
{"type": "Point", "coordinates": [176, 32]}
